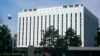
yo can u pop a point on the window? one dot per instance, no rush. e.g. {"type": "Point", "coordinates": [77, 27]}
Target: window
{"type": "Point", "coordinates": [30, 33]}
{"type": "Point", "coordinates": [66, 20]}
{"type": "Point", "coordinates": [34, 30]}
{"type": "Point", "coordinates": [58, 22]}
{"type": "Point", "coordinates": [80, 23]}
{"type": "Point", "coordinates": [30, 9]}
{"type": "Point", "coordinates": [54, 21]}
{"type": "Point", "coordinates": [49, 20]}
{"type": "Point", "coordinates": [42, 25]}
{"type": "Point", "coordinates": [23, 31]}
{"type": "Point", "coordinates": [62, 25]}
{"type": "Point", "coordinates": [76, 22]}
{"type": "Point", "coordinates": [71, 20]}
{"type": "Point", "coordinates": [26, 28]}
{"type": "Point", "coordinates": [25, 10]}
{"type": "Point", "coordinates": [34, 9]}
{"type": "Point", "coordinates": [64, 6]}
{"type": "Point", "coordinates": [76, 5]}
{"type": "Point", "coordinates": [81, 4]}
{"type": "Point", "coordinates": [19, 29]}
{"type": "Point", "coordinates": [45, 22]}
{"type": "Point", "coordinates": [70, 5]}
{"type": "Point", "coordinates": [37, 28]}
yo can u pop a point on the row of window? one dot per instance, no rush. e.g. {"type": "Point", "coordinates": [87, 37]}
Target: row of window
{"type": "Point", "coordinates": [76, 5]}
{"type": "Point", "coordinates": [37, 26]}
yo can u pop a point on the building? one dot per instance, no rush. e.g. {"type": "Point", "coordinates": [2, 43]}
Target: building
{"type": "Point", "coordinates": [14, 42]}
{"type": "Point", "coordinates": [31, 22]}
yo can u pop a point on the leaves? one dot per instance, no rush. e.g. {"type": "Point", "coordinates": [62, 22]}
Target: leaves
{"type": "Point", "coordinates": [71, 38]}
{"type": "Point", "coordinates": [5, 37]}
{"type": "Point", "coordinates": [50, 37]}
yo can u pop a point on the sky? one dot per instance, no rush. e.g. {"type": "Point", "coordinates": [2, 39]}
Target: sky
{"type": "Point", "coordinates": [13, 7]}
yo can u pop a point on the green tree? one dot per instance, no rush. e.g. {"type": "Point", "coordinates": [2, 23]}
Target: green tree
{"type": "Point", "coordinates": [71, 38]}
{"type": "Point", "coordinates": [5, 39]}
{"type": "Point", "coordinates": [97, 38]}
{"type": "Point", "coordinates": [50, 37]}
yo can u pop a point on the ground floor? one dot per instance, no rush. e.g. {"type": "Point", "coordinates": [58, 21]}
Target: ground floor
{"type": "Point", "coordinates": [72, 51]}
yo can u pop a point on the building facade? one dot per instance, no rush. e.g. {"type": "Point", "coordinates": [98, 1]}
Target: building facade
{"type": "Point", "coordinates": [31, 22]}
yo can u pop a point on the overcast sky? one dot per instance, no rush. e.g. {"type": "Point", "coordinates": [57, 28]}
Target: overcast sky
{"type": "Point", "coordinates": [14, 6]}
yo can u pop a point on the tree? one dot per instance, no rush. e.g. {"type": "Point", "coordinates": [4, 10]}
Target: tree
{"type": "Point", "coordinates": [50, 36]}
{"type": "Point", "coordinates": [60, 44]}
{"type": "Point", "coordinates": [71, 38]}
{"type": "Point", "coordinates": [5, 38]}
{"type": "Point", "coordinates": [97, 38]}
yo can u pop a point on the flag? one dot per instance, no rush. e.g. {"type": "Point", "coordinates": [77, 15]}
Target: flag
{"type": "Point", "coordinates": [9, 17]}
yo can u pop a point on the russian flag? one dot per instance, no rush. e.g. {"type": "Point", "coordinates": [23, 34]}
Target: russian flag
{"type": "Point", "coordinates": [9, 17]}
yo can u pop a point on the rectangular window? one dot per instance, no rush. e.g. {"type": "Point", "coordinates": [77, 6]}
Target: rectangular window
{"type": "Point", "coordinates": [76, 5]}
{"type": "Point", "coordinates": [71, 20]}
{"type": "Point", "coordinates": [19, 28]}
{"type": "Point", "coordinates": [62, 25]}
{"type": "Point", "coordinates": [30, 9]}
{"type": "Point", "coordinates": [26, 28]}
{"type": "Point", "coordinates": [34, 9]}
{"type": "Point", "coordinates": [49, 20]}
{"type": "Point", "coordinates": [70, 5]}
{"type": "Point", "coordinates": [45, 22]}
{"type": "Point", "coordinates": [34, 30]}
{"type": "Point", "coordinates": [54, 21]}
{"type": "Point", "coordinates": [25, 10]}
{"type": "Point", "coordinates": [80, 23]}
{"type": "Point", "coordinates": [30, 33]}
{"type": "Point", "coordinates": [76, 22]}
{"type": "Point", "coordinates": [37, 28]}
{"type": "Point", "coordinates": [64, 6]}
{"type": "Point", "coordinates": [23, 31]}
{"type": "Point", "coordinates": [58, 22]}
{"type": "Point", "coordinates": [42, 25]}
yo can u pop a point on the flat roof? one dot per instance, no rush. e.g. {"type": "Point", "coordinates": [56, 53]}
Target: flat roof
{"type": "Point", "coordinates": [84, 48]}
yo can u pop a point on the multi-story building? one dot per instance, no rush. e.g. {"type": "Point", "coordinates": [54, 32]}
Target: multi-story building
{"type": "Point", "coordinates": [31, 22]}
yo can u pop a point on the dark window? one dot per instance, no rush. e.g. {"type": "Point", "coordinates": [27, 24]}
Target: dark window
{"type": "Point", "coordinates": [58, 22]}
{"type": "Point", "coordinates": [80, 23]}
{"type": "Point", "coordinates": [25, 10]}
{"type": "Point", "coordinates": [45, 22]}
{"type": "Point", "coordinates": [42, 25]}
{"type": "Point", "coordinates": [71, 20]}
{"type": "Point", "coordinates": [81, 4]}
{"type": "Point", "coordinates": [76, 5]}
{"type": "Point", "coordinates": [30, 33]}
{"type": "Point", "coordinates": [19, 29]}
{"type": "Point", "coordinates": [64, 6]}
{"type": "Point", "coordinates": [30, 9]}
{"type": "Point", "coordinates": [34, 9]}
{"type": "Point", "coordinates": [37, 28]}
{"type": "Point", "coordinates": [26, 28]}
{"type": "Point", "coordinates": [49, 25]}
{"type": "Point", "coordinates": [76, 22]}
{"type": "Point", "coordinates": [62, 25]}
{"type": "Point", "coordinates": [70, 5]}
{"type": "Point", "coordinates": [34, 30]}
{"type": "Point", "coordinates": [23, 31]}
{"type": "Point", "coordinates": [49, 20]}
{"type": "Point", "coordinates": [54, 20]}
